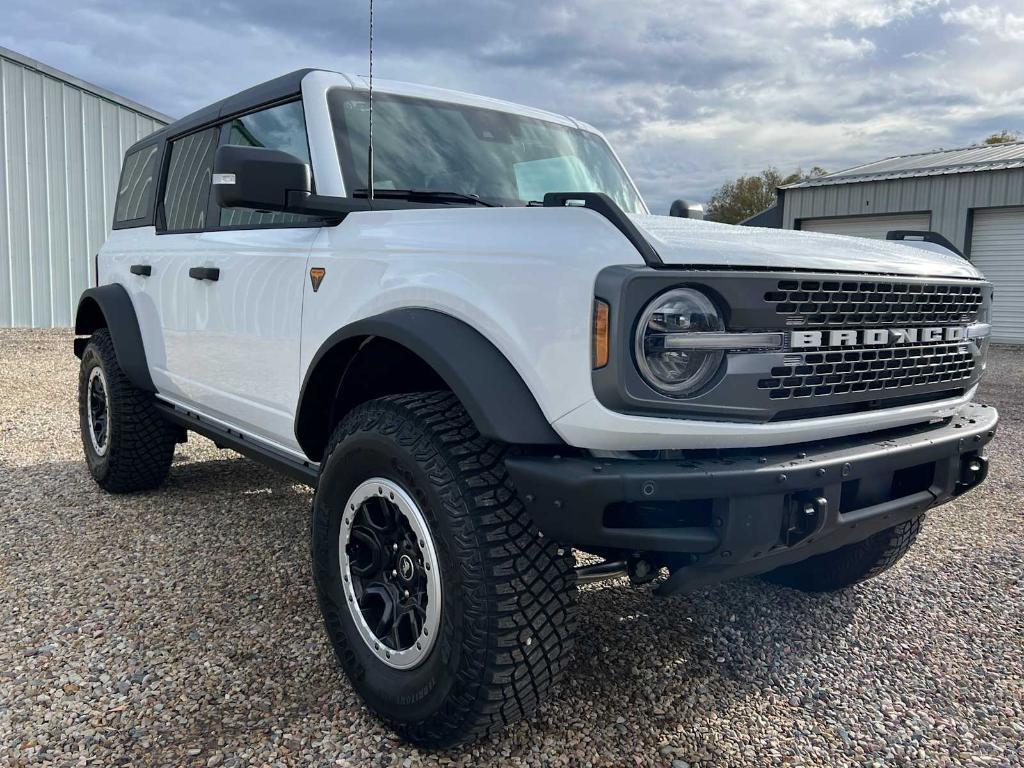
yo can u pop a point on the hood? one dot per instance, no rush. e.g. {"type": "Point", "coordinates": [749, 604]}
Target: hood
{"type": "Point", "coordinates": [691, 242]}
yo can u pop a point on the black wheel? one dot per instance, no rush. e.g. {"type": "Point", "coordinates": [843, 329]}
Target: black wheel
{"type": "Point", "coordinates": [851, 564]}
{"type": "Point", "coordinates": [128, 444]}
{"type": "Point", "coordinates": [449, 613]}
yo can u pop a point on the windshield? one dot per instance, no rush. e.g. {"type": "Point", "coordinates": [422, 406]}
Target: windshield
{"type": "Point", "coordinates": [421, 144]}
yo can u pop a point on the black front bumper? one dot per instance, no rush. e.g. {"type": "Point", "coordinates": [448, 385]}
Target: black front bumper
{"type": "Point", "coordinates": [717, 515]}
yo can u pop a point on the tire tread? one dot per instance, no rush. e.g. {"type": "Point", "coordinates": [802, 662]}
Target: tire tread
{"type": "Point", "coordinates": [517, 584]}
{"type": "Point", "coordinates": [141, 440]}
{"type": "Point", "coordinates": [851, 564]}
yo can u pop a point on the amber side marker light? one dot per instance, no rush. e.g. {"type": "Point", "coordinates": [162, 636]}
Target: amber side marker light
{"type": "Point", "coordinates": [600, 334]}
{"type": "Point", "coordinates": [316, 276]}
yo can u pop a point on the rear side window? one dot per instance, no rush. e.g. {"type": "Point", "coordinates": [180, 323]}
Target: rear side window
{"type": "Point", "coordinates": [137, 189]}
{"type": "Point", "coordinates": [282, 128]}
{"type": "Point", "coordinates": [187, 193]}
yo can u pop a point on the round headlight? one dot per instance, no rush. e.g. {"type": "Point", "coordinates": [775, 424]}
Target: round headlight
{"type": "Point", "coordinates": [661, 352]}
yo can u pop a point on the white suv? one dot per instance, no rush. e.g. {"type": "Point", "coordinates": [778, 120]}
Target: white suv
{"type": "Point", "coordinates": [494, 354]}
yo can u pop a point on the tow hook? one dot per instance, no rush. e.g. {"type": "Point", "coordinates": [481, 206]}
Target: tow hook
{"type": "Point", "coordinates": [805, 515]}
{"type": "Point", "coordinates": [973, 470]}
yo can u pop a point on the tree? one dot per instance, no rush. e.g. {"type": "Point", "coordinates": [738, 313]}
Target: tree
{"type": "Point", "coordinates": [743, 197]}
{"type": "Point", "coordinates": [1003, 137]}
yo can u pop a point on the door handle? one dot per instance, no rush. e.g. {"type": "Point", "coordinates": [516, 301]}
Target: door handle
{"type": "Point", "coordinates": [141, 269]}
{"type": "Point", "coordinates": [204, 273]}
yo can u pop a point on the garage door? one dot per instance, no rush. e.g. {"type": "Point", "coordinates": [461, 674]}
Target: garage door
{"type": "Point", "coordinates": [997, 249]}
{"type": "Point", "coordinates": [867, 226]}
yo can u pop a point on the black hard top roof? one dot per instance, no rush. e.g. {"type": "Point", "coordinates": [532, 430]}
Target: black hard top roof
{"type": "Point", "coordinates": [264, 93]}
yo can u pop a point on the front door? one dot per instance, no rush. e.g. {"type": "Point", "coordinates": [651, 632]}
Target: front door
{"type": "Point", "coordinates": [245, 301]}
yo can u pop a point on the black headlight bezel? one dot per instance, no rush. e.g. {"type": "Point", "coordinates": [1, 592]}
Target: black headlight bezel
{"type": "Point", "coordinates": [713, 360]}
{"type": "Point", "coordinates": [733, 393]}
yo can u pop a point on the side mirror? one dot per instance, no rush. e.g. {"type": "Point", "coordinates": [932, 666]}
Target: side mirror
{"type": "Point", "coordinates": [260, 178]}
{"type": "Point", "coordinates": [683, 209]}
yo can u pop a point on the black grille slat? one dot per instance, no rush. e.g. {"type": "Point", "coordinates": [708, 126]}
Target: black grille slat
{"type": "Point", "coordinates": [815, 303]}
{"type": "Point", "coordinates": [818, 374]}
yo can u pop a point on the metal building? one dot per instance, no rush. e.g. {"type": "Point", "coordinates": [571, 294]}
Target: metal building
{"type": "Point", "coordinates": [61, 145]}
{"type": "Point", "coordinates": [973, 196]}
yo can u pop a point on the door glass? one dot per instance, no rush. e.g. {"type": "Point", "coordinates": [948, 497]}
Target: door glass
{"type": "Point", "coordinates": [282, 128]}
{"type": "Point", "coordinates": [188, 181]}
{"type": "Point", "coordinates": [135, 192]}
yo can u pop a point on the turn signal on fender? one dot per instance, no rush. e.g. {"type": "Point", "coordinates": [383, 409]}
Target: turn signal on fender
{"type": "Point", "coordinates": [600, 343]}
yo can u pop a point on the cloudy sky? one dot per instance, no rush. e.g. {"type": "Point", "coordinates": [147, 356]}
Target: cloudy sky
{"type": "Point", "coordinates": [690, 93]}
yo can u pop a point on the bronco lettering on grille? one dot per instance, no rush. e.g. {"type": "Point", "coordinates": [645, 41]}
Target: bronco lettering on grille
{"type": "Point", "coordinates": [875, 337]}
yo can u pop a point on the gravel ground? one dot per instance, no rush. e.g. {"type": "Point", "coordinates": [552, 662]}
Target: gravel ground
{"type": "Point", "coordinates": [180, 628]}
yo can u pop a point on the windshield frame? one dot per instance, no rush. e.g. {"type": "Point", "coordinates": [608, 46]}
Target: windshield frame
{"type": "Point", "coordinates": [336, 98]}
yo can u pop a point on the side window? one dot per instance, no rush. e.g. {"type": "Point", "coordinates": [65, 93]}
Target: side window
{"type": "Point", "coordinates": [136, 190]}
{"type": "Point", "coordinates": [282, 128]}
{"type": "Point", "coordinates": [188, 181]}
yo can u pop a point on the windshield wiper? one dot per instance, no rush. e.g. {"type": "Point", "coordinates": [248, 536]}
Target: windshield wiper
{"type": "Point", "coordinates": [425, 194]}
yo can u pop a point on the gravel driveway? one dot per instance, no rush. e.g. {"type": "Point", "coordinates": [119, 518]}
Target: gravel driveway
{"type": "Point", "coordinates": [180, 628]}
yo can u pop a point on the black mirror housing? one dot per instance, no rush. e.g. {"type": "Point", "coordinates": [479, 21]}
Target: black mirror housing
{"type": "Point", "coordinates": [684, 209]}
{"type": "Point", "coordinates": [260, 178]}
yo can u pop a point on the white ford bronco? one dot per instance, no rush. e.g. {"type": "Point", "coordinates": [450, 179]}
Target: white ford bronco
{"type": "Point", "coordinates": [492, 354]}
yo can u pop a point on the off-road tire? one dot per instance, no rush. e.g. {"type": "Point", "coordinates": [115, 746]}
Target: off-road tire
{"type": "Point", "coordinates": [508, 611]}
{"type": "Point", "coordinates": [851, 564]}
{"type": "Point", "coordinates": [140, 441]}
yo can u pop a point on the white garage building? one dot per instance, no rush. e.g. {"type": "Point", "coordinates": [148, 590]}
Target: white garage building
{"type": "Point", "coordinates": [973, 196]}
{"type": "Point", "coordinates": [61, 145]}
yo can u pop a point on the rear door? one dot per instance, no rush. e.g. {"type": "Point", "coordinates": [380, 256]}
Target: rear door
{"type": "Point", "coordinates": [146, 265]}
{"type": "Point", "coordinates": [245, 325]}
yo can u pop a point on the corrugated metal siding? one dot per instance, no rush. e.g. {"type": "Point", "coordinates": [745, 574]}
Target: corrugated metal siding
{"type": "Point", "coordinates": [997, 248]}
{"type": "Point", "coordinates": [60, 156]}
{"type": "Point", "coordinates": [990, 157]}
{"type": "Point", "coordinates": [949, 198]}
{"type": "Point", "coordinates": [866, 226]}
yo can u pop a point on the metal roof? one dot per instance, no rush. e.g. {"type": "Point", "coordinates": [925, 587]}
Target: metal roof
{"type": "Point", "coordinates": [95, 90]}
{"type": "Point", "coordinates": [986, 157]}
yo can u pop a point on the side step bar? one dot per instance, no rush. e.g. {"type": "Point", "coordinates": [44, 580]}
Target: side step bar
{"type": "Point", "coordinates": [306, 472]}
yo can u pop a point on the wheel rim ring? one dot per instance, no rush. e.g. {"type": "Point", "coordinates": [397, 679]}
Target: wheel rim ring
{"type": "Point", "coordinates": [98, 407]}
{"type": "Point", "coordinates": [395, 495]}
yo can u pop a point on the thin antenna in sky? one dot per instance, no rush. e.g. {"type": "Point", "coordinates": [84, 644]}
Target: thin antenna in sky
{"type": "Point", "coordinates": [369, 152]}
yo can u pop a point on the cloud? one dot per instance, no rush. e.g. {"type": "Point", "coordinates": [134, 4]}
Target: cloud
{"type": "Point", "coordinates": [690, 94]}
{"type": "Point", "coordinates": [991, 20]}
{"type": "Point", "coordinates": [839, 48]}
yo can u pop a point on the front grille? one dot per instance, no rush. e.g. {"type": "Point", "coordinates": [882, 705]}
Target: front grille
{"type": "Point", "coordinates": [820, 374]}
{"type": "Point", "coordinates": [859, 303]}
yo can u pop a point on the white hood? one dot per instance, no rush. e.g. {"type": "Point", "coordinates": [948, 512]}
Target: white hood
{"type": "Point", "coordinates": [691, 242]}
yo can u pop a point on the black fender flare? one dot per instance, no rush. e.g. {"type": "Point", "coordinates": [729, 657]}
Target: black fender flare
{"type": "Point", "coordinates": [110, 306]}
{"type": "Point", "coordinates": [493, 393]}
